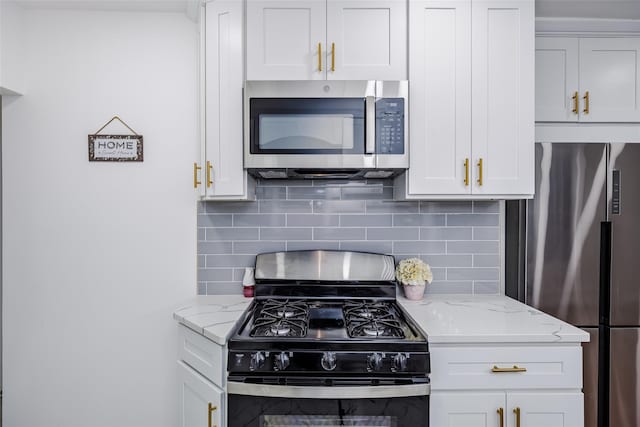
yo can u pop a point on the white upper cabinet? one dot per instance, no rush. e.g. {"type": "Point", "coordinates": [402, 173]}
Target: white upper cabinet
{"type": "Point", "coordinates": [610, 79]}
{"type": "Point", "coordinates": [440, 97]}
{"type": "Point", "coordinates": [503, 129]}
{"type": "Point", "coordinates": [367, 40]}
{"type": "Point", "coordinates": [222, 175]}
{"type": "Point", "coordinates": [556, 79]}
{"type": "Point", "coordinates": [471, 72]}
{"type": "Point", "coordinates": [587, 79]}
{"type": "Point", "coordinates": [327, 39]}
{"type": "Point", "coordinates": [286, 40]}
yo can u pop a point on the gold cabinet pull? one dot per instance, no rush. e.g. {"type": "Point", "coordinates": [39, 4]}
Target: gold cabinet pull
{"type": "Point", "coordinates": [209, 170]}
{"type": "Point", "coordinates": [500, 412]}
{"type": "Point", "coordinates": [515, 368]}
{"type": "Point", "coordinates": [586, 102]}
{"type": "Point", "coordinates": [466, 172]}
{"type": "Point", "coordinates": [319, 56]}
{"type": "Point", "coordinates": [480, 172]}
{"type": "Point", "coordinates": [575, 102]}
{"type": "Point", "coordinates": [196, 168]}
{"type": "Point", "coordinates": [333, 57]}
{"type": "Point", "coordinates": [517, 412]}
{"type": "Point", "coordinates": [212, 409]}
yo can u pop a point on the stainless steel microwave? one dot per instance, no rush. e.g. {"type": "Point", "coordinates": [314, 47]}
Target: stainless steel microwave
{"type": "Point", "coordinates": [326, 129]}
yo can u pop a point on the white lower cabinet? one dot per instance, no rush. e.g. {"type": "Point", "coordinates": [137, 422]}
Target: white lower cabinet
{"type": "Point", "coordinates": [465, 409]}
{"type": "Point", "coordinates": [201, 379]}
{"type": "Point", "coordinates": [513, 385]}
{"type": "Point", "coordinates": [201, 402]}
{"type": "Point", "coordinates": [493, 409]}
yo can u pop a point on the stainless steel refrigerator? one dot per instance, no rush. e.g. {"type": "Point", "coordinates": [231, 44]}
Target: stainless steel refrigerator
{"type": "Point", "coordinates": [578, 242]}
{"type": "Point", "coordinates": [582, 264]}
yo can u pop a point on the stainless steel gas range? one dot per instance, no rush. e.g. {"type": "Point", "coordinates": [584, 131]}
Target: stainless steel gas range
{"type": "Point", "coordinates": [325, 344]}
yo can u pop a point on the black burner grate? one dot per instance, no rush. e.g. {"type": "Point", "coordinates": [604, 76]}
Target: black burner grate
{"type": "Point", "coordinates": [371, 320]}
{"type": "Point", "coordinates": [285, 318]}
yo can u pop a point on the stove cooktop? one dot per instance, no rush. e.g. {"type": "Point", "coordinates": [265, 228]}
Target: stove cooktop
{"type": "Point", "coordinates": [317, 337]}
{"type": "Point", "coordinates": [287, 320]}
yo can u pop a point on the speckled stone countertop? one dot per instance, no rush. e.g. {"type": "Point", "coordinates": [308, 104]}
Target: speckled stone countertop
{"type": "Point", "coordinates": [213, 316]}
{"type": "Point", "coordinates": [443, 318]}
{"type": "Point", "coordinates": [487, 319]}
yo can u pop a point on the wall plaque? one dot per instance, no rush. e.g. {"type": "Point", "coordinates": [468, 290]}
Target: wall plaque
{"type": "Point", "coordinates": [115, 148]}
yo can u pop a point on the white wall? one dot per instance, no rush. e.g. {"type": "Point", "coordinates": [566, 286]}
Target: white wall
{"type": "Point", "coordinates": [97, 255]}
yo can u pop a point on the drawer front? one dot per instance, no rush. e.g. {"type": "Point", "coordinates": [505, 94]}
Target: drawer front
{"type": "Point", "coordinates": [203, 355]}
{"type": "Point", "coordinates": [473, 368]}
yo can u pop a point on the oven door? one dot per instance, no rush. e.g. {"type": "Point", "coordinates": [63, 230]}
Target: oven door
{"type": "Point", "coordinates": [261, 405]}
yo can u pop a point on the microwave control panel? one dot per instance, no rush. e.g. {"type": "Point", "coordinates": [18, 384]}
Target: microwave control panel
{"type": "Point", "coordinates": [390, 126]}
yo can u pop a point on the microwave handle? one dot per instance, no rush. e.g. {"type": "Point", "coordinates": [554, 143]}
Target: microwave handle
{"type": "Point", "coordinates": [370, 120]}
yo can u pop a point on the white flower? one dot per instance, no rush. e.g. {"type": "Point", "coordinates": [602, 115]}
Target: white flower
{"type": "Point", "coordinates": [413, 271]}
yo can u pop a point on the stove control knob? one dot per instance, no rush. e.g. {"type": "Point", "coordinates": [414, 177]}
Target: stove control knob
{"type": "Point", "coordinates": [374, 362]}
{"type": "Point", "coordinates": [399, 363]}
{"type": "Point", "coordinates": [328, 361]}
{"type": "Point", "coordinates": [257, 360]}
{"type": "Point", "coordinates": [282, 361]}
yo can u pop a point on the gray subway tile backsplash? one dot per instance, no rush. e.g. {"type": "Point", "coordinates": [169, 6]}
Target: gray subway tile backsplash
{"type": "Point", "coordinates": [373, 220]}
{"type": "Point", "coordinates": [419, 247]}
{"type": "Point", "coordinates": [418, 220]}
{"type": "Point", "coordinates": [345, 233]}
{"type": "Point", "coordinates": [473, 219]}
{"type": "Point", "coordinates": [459, 239]}
{"type": "Point", "coordinates": [259, 220]}
{"type": "Point", "coordinates": [290, 233]}
{"type": "Point", "coordinates": [312, 245]}
{"type": "Point", "coordinates": [252, 248]}
{"type": "Point", "coordinates": [446, 233]}
{"type": "Point", "coordinates": [312, 220]}
{"type": "Point", "coordinates": [361, 246]}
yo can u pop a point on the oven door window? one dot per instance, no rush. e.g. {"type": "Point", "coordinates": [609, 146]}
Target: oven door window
{"type": "Point", "coordinates": [259, 411]}
{"type": "Point", "coordinates": [307, 125]}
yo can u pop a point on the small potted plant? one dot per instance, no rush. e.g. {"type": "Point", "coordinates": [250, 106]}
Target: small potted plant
{"type": "Point", "coordinates": [413, 273]}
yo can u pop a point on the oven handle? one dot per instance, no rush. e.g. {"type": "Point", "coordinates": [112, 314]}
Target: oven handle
{"type": "Point", "coordinates": [328, 392]}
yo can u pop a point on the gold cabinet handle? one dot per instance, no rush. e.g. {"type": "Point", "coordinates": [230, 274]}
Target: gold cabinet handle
{"type": "Point", "coordinates": [517, 412]}
{"type": "Point", "coordinates": [212, 409]}
{"type": "Point", "coordinates": [333, 57]}
{"type": "Point", "coordinates": [319, 56]}
{"type": "Point", "coordinates": [500, 412]}
{"type": "Point", "coordinates": [466, 172]}
{"type": "Point", "coordinates": [515, 368]}
{"type": "Point", "coordinates": [209, 170]}
{"type": "Point", "coordinates": [575, 102]}
{"type": "Point", "coordinates": [196, 168]}
{"type": "Point", "coordinates": [586, 102]}
{"type": "Point", "coordinates": [480, 172]}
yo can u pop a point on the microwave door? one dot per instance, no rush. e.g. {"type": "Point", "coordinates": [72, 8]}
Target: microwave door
{"type": "Point", "coordinates": [309, 133]}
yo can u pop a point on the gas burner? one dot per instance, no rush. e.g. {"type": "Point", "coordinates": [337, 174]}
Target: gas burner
{"type": "Point", "coordinates": [373, 330]}
{"type": "Point", "coordinates": [371, 319]}
{"type": "Point", "coordinates": [280, 329]}
{"type": "Point", "coordinates": [281, 319]}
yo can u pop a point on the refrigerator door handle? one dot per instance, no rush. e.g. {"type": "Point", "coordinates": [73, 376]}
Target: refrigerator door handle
{"type": "Point", "coordinates": [605, 271]}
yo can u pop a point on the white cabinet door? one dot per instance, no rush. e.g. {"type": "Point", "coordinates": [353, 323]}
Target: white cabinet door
{"type": "Point", "coordinates": [440, 97]}
{"type": "Point", "coordinates": [367, 40]}
{"type": "Point", "coordinates": [610, 73]}
{"type": "Point", "coordinates": [557, 91]}
{"type": "Point", "coordinates": [546, 409]}
{"type": "Point", "coordinates": [503, 96]}
{"type": "Point", "coordinates": [467, 409]}
{"type": "Point", "coordinates": [223, 175]}
{"type": "Point", "coordinates": [199, 399]}
{"type": "Point", "coordinates": [283, 37]}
